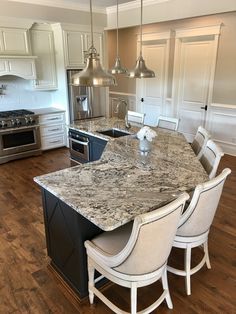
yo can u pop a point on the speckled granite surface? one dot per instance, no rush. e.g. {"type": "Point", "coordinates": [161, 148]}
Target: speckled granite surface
{"type": "Point", "coordinates": [98, 124]}
{"type": "Point", "coordinates": [124, 183]}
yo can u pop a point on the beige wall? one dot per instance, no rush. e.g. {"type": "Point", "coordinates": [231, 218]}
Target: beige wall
{"type": "Point", "coordinates": [161, 11]}
{"type": "Point", "coordinates": [39, 13]}
{"type": "Point", "coordinates": [225, 76]}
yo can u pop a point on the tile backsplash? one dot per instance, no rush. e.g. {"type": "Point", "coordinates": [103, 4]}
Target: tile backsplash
{"type": "Point", "coordinates": [17, 93]}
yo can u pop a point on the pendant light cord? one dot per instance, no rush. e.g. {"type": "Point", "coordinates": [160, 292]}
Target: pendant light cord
{"type": "Point", "coordinates": [91, 19]}
{"type": "Point", "coordinates": [141, 29]}
{"type": "Point", "coordinates": [117, 26]}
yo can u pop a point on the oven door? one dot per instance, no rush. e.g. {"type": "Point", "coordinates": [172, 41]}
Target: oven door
{"type": "Point", "coordinates": [79, 149]}
{"type": "Point", "coordinates": [15, 141]}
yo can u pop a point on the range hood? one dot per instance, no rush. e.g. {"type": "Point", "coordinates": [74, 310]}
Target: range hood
{"type": "Point", "coordinates": [21, 66]}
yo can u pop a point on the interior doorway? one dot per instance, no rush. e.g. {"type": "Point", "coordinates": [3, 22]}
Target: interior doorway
{"type": "Point", "coordinates": [194, 69]}
{"type": "Point", "coordinates": [152, 92]}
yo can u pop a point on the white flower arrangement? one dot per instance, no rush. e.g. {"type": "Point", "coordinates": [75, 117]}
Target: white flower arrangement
{"type": "Point", "coordinates": [146, 133]}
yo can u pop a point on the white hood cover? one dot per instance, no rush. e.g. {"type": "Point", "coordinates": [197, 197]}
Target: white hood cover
{"type": "Point", "coordinates": [23, 67]}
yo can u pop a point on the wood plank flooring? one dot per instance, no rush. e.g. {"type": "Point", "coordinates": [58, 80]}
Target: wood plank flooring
{"type": "Point", "coordinates": [27, 286]}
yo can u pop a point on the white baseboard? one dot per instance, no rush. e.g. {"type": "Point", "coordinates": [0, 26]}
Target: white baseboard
{"type": "Point", "coordinates": [228, 148]}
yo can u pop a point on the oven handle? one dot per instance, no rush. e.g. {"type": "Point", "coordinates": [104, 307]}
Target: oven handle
{"type": "Point", "coordinates": [79, 142]}
{"type": "Point", "coordinates": [19, 129]}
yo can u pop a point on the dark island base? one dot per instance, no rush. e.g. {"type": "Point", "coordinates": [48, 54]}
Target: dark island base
{"type": "Point", "coordinates": [66, 230]}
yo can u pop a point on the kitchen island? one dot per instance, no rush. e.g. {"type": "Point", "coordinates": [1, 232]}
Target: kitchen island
{"type": "Point", "coordinates": [85, 200]}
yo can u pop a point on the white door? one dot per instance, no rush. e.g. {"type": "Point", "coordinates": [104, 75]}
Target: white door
{"type": "Point", "coordinates": [194, 66]}
{"type": "Point", "coordinates": [152, 92]}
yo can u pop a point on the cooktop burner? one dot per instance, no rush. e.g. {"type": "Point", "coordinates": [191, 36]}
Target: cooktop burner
{"type": "Point", "coordinates": [15, 113]}
{"type": "Point", "coordinates": [17, 118]}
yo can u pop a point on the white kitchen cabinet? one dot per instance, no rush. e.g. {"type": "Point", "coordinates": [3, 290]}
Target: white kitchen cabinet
{"type": "Point", "coordinates": [3, 67]}
{"type": "Point", "coordinates": [52, 130]}
{"type": "Point", "coordinates": [19, 66]}
{"type": "Point", "coordinates": [43, 47]}
{"type": "Point", "coordinates": [76, 43]}
{"type": "Point", "coordinates": [74, 48]}
{"type": "Point", "coordinates": [98, 43]}
{"type": "Point", "coordinates": [14, 41]}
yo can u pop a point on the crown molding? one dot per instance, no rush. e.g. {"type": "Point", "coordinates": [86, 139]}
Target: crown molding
{"type": "Point", "coordinates": [155, 36]}
{"type": "Point", "coordinates": [76, 27]}
{"type": "Point", "coordinates": [61, 4]}
{"type": "Point", "coordinates": [133, 5]}
{"type": "Point", "coordinates": [198, 31]}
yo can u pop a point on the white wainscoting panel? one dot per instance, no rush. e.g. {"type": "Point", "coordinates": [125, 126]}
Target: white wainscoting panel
{"type": "Point", "coordinates": [222, 126]}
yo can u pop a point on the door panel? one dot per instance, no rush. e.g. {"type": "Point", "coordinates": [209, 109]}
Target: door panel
{"type": "Point", "coordinates": [195, 66]}
{"type": "Point", "coordinates": [190, 119]}
{"type": "Point", "coordinates": [192, 80]}
{"type": "Point", "coordinates": [153, 90]}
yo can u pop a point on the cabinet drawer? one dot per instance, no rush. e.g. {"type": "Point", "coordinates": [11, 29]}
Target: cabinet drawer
{"type": "Point", "coordinates": [53, 141]}
{"type": "Point", "coordinates": [53, 129]}
{"type": "Point", "coordinates": [51, 118]}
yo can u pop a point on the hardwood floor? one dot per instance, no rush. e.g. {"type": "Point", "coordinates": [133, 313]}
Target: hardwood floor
{"type": "Point", "coordinates": [27, 286]}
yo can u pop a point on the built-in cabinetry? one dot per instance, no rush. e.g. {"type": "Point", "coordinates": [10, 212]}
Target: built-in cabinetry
{"type": "Point", "coordinates": [19, 66]}
{"type": "Point", "coordinates": [14, 41]}
{"type": "Point", "coordinates": [76, 44]}
{"type": "Point", "coordinates": [43, 47]}
{"type": "Point", "coordinates": [15, 53]}
{"type": "Point", "coordinates": [52, 130]}
{"type": "Point", "coordinates": [70, 43]}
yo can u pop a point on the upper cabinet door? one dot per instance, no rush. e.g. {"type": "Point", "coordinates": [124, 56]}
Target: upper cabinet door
{"type": "Point", "coordinates": [43, 47]}
{"type": "Point", "coordinates": [14, 41]}
{"type": "Point", "coordinates": [74, 49]}
{"type": "Point", "coordinates": [98, 43]}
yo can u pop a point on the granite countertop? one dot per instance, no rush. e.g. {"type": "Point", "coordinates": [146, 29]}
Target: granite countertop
{"type": "Point", "coordinates": [92, 126]}
{"type": "Point", "coordinates": [123, 183]}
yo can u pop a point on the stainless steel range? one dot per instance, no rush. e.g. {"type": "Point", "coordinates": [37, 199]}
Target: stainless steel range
{"type": "Point", "coordinates": [19, 135]}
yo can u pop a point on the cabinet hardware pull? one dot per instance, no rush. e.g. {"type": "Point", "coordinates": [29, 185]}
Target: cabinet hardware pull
{"type": "Point", "coordinates": [52, 130]}
{"type": "Point", "coordinates": [53, 142]}
{"type": "Point", "coordinates": [53, 119]}
{"type": "Point", "coordinates": [204, 108]}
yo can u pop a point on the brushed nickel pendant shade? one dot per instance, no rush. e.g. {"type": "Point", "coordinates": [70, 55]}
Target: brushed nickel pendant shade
{"type": "Point", "coordinates": [93, 74]}
{"type": "Point", "coordinates": [140, 70]}
{"type": "Point", "coordinates": [117, 68]}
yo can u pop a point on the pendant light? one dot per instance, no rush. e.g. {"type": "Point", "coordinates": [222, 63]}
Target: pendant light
{"type": "Point", "coordinates": [93, 74]}
{"type": "Point", "coordinates": [140, 70]}
{"type": "Point", "coordinates": [117, 69]}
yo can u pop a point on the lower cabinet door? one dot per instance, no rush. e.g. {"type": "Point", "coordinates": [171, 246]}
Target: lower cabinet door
{"type": "Point", "coordinates": [96, 149]}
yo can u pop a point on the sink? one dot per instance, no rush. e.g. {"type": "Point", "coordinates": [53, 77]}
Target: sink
{"type": "Point", "coordinates": [114, 132]}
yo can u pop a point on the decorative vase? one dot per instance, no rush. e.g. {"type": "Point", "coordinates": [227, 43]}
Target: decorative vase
{"type": "Point", "coordinates": [144, 145]}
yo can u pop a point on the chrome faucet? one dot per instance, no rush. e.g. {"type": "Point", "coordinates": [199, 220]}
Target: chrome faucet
{"type": "Point", "coordinates": [120, 102]}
